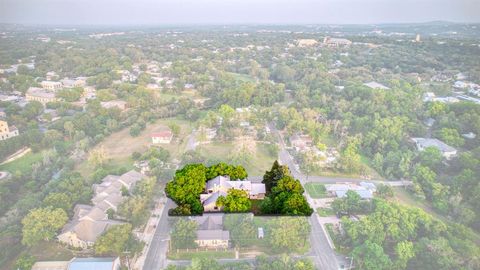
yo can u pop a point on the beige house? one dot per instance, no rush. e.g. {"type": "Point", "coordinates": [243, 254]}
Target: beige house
{"type": "Point", "coordinates": [306, 42]}
{"type": "Point", "coordinates": [51, 85]}
{"type": "Point", "coordinates": [91, 221]}
{"type": "Point", "coordinates": [7, 132]}
{"type": "Point", "coordinates": [41, 95]}
{"type": "Point", "coordinates": [122, 105]}
{"type": "Point", "coordinates": [220, 185]}
{"type": "Point", "coordinates": [210, 233]}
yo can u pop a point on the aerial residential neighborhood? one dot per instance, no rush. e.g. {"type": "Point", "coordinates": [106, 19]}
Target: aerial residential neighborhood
{"type": "Point", "coordinates": [239, 135]}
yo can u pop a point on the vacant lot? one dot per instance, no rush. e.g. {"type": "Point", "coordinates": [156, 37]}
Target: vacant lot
{"type": "Point", "coordinates": [119, 146]}
{"type": "Point", "coordinates": [255, 164]}
{"type": "Point", "coordinates": [316, 190]}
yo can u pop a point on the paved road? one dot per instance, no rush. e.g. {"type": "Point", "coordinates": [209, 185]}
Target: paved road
{"type": "Point", "coordinates": [191, 141]}
{"type": "Point", "coordinates": [157, 254]}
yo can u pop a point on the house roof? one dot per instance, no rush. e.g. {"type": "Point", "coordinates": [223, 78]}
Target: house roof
{"type": "Point", "coordinates": [213, 235]}
{"type": "Point", "coordinates": [428, 142]}
{"type": "Point", "coordinates": [210, 221]}
{"type": "Point", "coordinates": [92, 264]}
{"type": "Point", "coordinates": [376, 85]}
{"type": "Point", "coordinates": [213, 198]}
{"type": "Point", "coordinates": [162, 134]}
{"type": "Point", "coordinates": [88, 230]}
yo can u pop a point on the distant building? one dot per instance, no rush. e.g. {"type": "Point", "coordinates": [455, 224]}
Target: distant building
{"type": "Point", "coordinates": [301, 142]}
{"type": "Point", "coordinates": [71, 83]}
{"type": "Point", "coordinates": [120, 104]}
{"type": "Point", "coordinates": [306, 42]}
{"type": "Point", "coordinates": [51, 85]}
{"type": "Point", "coordinates": [376, 85]}
{"type": "Point", "coordinates": [41, 95]}
{"type": "Point", "coordinates": [260, 233]}
{"type": "Point", "coordinates": [365, 189]}
{"type": "Point", "coordinates": [336, 42]}
{"type": "Point", "coordinates": [447, 151]}
{"type": "Point", "coordinates": [163, 137]}
{"type": "Point", "coordinates": [7, 132]}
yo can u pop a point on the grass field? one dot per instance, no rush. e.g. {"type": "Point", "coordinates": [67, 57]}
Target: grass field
{"type": "Point", "coordinates": [188, 255]}
{"type": "Point", "coordinates": [22, 164]}
{"type": "Point", "coordinates": [119, 146]}
{"type": "Point", "coordinates": [325, 212]}
{"type": "Point", "coordinates": [316, 190]}
{"type": "Point", "coordinates": [256, 165]}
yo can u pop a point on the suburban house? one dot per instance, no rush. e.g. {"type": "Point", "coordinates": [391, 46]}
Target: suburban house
{"type": "Point", "coordinates": [80, 264]}
{"type": "Point", "coordinates": [120, 104]}
{"type": "Point", "coordinates": [164, 136]}
{"type": "Point", "coordinates": [210, 232]}
{"type": "Point", "coordinates": [301, 142]}
{"type": "Point", "coordinates": [71, 83]}
{"type": "Point", "coordinates": [41, 95]}
{"type": "Point", "coordinates": [220, 185]}
{"type": "Point", "coordinates": [447, 151]}
{"type": "Point", "coordinates": [91, 221]}
{"type": "Point", "coordinates": [376, 85]}
{"type": "Point", "coordinates": [336, 42]}
{"type": "Point", "coordinates": [7, 132]}
{"type": "Point", "coordinates": [51, 85]}
{"type": "Point", "coordinates": [365, 189]}
{"type": "Point", "coordinates": [306, 42]}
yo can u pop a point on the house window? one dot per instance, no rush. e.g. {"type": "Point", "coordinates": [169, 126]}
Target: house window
{"type": "Point", "coordinates": [215, 207]}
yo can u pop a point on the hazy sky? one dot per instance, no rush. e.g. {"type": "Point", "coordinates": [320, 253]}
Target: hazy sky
{"type": "Point", "coordinates": [122, 12]}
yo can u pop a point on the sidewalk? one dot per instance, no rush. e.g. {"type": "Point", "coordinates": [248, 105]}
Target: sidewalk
{"type": "Point", "coordinates": [149, 232]}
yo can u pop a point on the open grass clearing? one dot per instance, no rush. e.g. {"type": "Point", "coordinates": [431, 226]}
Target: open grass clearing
{"type": "Point", "coordinates": [120, 145]}
{"type": "Point", "coordinates": [316, 190]}
{"type": "Point", "coordinates": [22, 164]}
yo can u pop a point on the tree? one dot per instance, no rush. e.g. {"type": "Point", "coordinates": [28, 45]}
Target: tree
{"type": "Point", "coordinates": [42, 224]}
{"type": "Point", "coordinates": [371, 256]}
{"type": "Point", "coordinates": [350, 160]}
{"type": "Point", "coordinates": [175, 129]}
{"type": "Point", "coordinates": [97, 157]}
{"type": "Point", "coordinates": [289, 233]}
{"type": "Point", "coordinates": [430, 157]}
{"type": "Point", "coordinates": [450, 136]}
{"type": "Point", "coordinates": [276, 173]}
{"type": "Point", "coordinates": [184, 234]}
{"type": "Point", "coordinates": [58, 200]}
{"type": "Point", "coordinates": [384, 191]}
{"type": "Point", "coordinates": [404, 251]}
{"type": "Point", "coordinates": [236, 201]}
{"type": "Point", "coordinates": [24, 262]}
{"type": "Point", "coordinates": [69, 127]}
{"type": "Point", "coordinates": [117, 240]}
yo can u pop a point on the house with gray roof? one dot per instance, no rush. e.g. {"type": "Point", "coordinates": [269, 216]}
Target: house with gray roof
{"type": "Point", "coordinates": [220, 185]}
{"type": "Point", "coordinates": [210, 233]}
{"type": "Point", "coordinates": [91, 221]}
{"type": "Point", "coordinates": [447, 151]}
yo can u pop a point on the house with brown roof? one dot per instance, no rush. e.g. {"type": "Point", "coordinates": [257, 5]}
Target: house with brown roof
{"type": "Point", "coordinates": [91, 221]}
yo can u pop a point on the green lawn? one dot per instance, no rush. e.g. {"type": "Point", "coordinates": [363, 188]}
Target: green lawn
{"type": "Point", "coordinates": [316, 190]}
{"type": "Point", "coordinates": [325, 212]}
{"type": "Point", "coordinates": [22, 164]}
{"type": "Point", "coordinates": [212, 254]}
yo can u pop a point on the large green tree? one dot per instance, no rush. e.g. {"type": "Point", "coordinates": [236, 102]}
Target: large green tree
{"type": "Point", "coordinates": [42, 224]}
